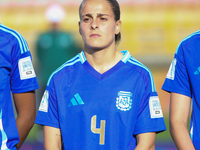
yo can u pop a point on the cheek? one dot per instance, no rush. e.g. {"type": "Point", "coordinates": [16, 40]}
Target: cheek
{"type": "Point", "coordinates": [83, 33]}
{"type": "Point", "coordinates": [110, 30]}
{"type": "Point", "coordinates": [82, 30]}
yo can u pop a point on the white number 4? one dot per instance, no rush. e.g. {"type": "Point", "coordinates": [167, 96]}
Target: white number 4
{"type": "Point", "coordinates": [100, 130]}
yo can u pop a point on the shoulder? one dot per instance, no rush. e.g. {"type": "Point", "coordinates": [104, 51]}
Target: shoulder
{"type": "Point", "coordinates": [191, 37]}
{"type": "Point", "coordinates": [189, 42]}
{"type": "Point", "coordinates": [13, 38]}
{"type": "Point", "coordinates": [10, 34]}
{"type": "Point", "coordinates": [66, 69]}
{"type": "Point", "coordinates": [137, 65]}
{"type": "Point", "coordinates": [144, 72]}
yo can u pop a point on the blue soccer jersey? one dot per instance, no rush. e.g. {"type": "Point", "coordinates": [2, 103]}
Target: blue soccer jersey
{"type": "Point", "coordinates": [17, 76]}
{"type": "Point", "coordinates": [183, 77]}
{"type": "Point", "coordinates": [101, 111]}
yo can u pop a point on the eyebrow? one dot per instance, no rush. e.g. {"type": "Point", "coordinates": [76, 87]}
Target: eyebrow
{"type": "Point", "coordinates": [98, 15]}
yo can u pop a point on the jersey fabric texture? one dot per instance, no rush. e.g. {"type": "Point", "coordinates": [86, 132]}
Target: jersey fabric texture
{"type": "Point", "coordinates": [183, 77]}
{"type": "Point", "coordinates": [101, 111]}
{"type": "Point", "coordinates": [17, 76]}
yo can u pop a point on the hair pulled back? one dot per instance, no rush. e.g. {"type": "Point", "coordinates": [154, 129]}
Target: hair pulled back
{"type": "Point", "coordinates": [116, 11]}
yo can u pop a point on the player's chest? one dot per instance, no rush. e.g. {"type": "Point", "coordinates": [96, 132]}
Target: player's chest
{"type": "Point", "coordinates": [106, 97]}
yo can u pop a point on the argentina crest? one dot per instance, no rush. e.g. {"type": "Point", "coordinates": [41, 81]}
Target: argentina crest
{"type": "Point", "coordinates": [124, 100]}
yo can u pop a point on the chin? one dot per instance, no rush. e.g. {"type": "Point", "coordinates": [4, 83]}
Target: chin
{"type": "Point", "coordinates": [95, 47]}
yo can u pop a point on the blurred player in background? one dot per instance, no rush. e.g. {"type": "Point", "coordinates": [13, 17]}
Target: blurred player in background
{"type": "Point", "coordinates": [183, 83]}
{"type": "Point", "coordinates": [53, 47]}
{"type": "Point", "coordinates": [17, 76]}
{"type": "Point", "coordinates": [102, 98]}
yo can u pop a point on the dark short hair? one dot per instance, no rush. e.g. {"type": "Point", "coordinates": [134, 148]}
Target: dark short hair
{"type": "Point", "coordinates": [116, 11]}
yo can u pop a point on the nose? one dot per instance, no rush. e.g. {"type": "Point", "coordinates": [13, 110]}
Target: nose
{"type": "Point", "coordinates": [94, 25]}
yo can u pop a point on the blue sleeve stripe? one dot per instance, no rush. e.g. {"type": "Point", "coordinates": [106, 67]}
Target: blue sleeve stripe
{"type": "Point", "coordinates": [189, 36]}
{"type": "Point", "coordinates": [22, 43]}
{"type": "Point", "coordinates": [68, 63]}
{"type": "Point", "coordinates": [135, 62]}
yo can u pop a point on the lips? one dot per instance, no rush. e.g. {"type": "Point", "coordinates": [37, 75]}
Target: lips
{"type": "Point", "coordinates": [94, 35]}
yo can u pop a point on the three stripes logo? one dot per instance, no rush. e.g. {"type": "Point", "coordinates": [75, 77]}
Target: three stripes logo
{"type": "Point", "coordinates": [76, 100]}
{"type": "Point", "coordinates": [197, 71]}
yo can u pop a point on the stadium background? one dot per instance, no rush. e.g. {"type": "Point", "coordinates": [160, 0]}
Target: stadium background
{"type": "Point", "coordinates": [151, 31]}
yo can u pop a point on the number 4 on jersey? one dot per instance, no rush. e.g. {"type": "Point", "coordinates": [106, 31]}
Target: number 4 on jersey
{"type": "Point", "coordinates": [100, 130]}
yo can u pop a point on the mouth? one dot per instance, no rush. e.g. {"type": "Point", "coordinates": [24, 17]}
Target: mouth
{"type": "Point", "coordinates": [94, 35]}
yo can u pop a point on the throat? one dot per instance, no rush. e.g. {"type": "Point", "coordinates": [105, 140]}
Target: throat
{"type": "Point", "coordinates": [103, 69]}
{"type": "Point", "coordinates": [105, 63]}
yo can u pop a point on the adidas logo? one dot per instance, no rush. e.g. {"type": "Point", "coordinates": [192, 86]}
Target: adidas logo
{"type": "Point", "coordinates": [197, 71]}
{"type": "Point", "coordinates": [76, 101]}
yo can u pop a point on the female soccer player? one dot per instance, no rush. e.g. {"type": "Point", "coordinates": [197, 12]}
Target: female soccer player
{"type": "Point", "coordinates": [102, 98]}
{"type": "Point", "coordinates": [182, 82]}
{"type": "Point", "coordinates": [17, 76]}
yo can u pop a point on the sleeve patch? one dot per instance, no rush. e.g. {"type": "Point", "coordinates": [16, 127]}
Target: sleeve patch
{"type": "Point", "coordinates": [44, 103]}
{"type": "Point", "coordinates": [171, 72]}
{"type": "Point", "coordinates": [26, 68]}
{"type": "Point", "coordinates": [155, 107]}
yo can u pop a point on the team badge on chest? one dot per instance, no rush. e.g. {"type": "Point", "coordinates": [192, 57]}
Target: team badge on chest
{"type": "Point", "coordinates": [124, 101]}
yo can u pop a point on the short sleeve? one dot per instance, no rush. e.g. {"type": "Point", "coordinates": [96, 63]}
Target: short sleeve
{"type": "Point", "coordinates": [22, 75]}
{"type": "Point", "coordinates": [150, 116]}
{"type": "Point", "coordinates": [48, 109]}
{"type": "Point", "coordinates": [177, 79]}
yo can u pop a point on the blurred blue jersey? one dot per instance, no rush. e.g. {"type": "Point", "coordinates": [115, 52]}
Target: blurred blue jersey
{"type": "Point", "coordinates": [101, 111]}
{"type": "Point", "coordinates": [17, 76]}
{"type": "Point", "coordinates": [184, 78]}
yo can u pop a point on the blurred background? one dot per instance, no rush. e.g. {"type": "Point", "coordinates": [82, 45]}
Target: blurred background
{"type": "Point", "coordinates": [151, 31]}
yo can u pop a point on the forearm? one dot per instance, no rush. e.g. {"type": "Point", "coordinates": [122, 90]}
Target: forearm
{"type": "Point", "coordinates": [181, 137]}
{"type": "Point", "coordinates": [52, 147]}
{"type": "Point", "coordinates": [179, 113]}
{"type": "Point", "coordinates": [144, 147]}
{"type": "Point", "coordinates": [52, 138]}
{"type": "Point", "coordinates": [24, 125]}
{"type": "Point", "coordinates": [146, 141]}
{"type": "Point", "coordinates": [26, 113]}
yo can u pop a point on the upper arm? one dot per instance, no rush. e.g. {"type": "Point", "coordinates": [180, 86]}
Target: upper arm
{"type": "Point", "coordinates": [146, 141]}
{"type": "Point", "coordinates": [52, 138]}
{"type": "Point", "coordinates": [179, 108]}
{"type": "Point", "coordinates": [25, 104]}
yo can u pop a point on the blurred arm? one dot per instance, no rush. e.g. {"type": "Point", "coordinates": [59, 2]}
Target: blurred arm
{"type": "Point", "coordinates": [26, 113]}
{"type": "Point", "coordinates": [52, 138]}
{"type": "Point", "coordinates": [146, 141]}
{"type": "Point", "coordinates": [179, 113]}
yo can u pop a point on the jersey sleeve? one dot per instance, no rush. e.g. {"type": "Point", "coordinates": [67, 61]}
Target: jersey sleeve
{"type": "Point", "coordinates": [177, 79]}
{"type": "Point", "coordinates": [22, 75]}
{"type": "Point", "coordinates": [48, 109]}
{"type": "Point", "coordinates": [150, 116]}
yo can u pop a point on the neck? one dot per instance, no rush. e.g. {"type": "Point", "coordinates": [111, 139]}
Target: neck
{"type": "Point", "coordinates": [103, 60]}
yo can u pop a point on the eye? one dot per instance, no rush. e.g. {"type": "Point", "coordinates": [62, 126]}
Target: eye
{"type": "Point", "coordinates": [103, 19]}
{"type": "Point", "coordinates": [86, 19]}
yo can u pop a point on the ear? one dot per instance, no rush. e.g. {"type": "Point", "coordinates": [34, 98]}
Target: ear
{"type": "Point", "coordinates": [79, 24]}
{"type": "Point", "coordinates": [118, 26]}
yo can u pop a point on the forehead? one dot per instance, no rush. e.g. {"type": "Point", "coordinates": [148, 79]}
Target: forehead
{"type": "Point", "coordinates": [96, 6]}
